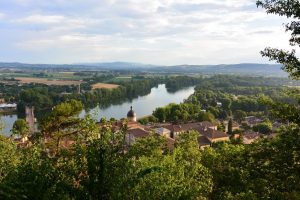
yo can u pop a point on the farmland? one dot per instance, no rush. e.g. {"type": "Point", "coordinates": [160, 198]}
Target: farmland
{"type": "Point", "coordinates": [104, 86]}
{"type": "Point", "coordinates": [28, 80]}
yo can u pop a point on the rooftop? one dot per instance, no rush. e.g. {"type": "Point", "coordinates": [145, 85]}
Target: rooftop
{"type": "Point", "coordinates": [138, 132]}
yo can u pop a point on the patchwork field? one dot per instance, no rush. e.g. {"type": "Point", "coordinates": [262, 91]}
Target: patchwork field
{"type": "Point", "coordinates": [104, 86]}
{"type": "Point", "coordinates": [27, 80]}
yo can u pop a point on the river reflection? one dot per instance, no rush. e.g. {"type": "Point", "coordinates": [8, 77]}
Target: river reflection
{"type": "Point", "coordinates": [143, 106]}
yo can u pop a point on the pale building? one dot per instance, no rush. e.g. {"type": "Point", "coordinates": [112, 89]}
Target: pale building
{"type": "Point", "coordinates": [163, 132]}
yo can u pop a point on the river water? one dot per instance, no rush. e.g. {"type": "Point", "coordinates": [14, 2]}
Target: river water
{"type": "Point", "coordinates": [143, 106]}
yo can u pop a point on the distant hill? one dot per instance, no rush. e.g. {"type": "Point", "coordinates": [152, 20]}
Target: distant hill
{"type": "Point", "coordinates": [119, 65]}
{"type": "Point", "coordinates": [241, 69]}
{"type": "Point", "coordinates": [81, 66]}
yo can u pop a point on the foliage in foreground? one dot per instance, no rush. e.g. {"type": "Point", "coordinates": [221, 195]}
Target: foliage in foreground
{"type": "Point", "coordinates": [99, 166]}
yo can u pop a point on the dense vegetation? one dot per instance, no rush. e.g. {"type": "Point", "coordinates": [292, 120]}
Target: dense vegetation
{"type": "Point", "coordinates": [98, 166]}
{"type": "Point", "coordinates": [224, 97]}
{"type": "Point", "coordinates": [179, 82]}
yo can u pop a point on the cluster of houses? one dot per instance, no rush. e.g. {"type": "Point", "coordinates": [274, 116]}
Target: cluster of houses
{"type": "Point", "coordinates": [208, 131]}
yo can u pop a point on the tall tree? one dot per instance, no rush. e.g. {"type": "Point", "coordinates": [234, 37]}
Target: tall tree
{"type": "Point", "coordinates": [290, 9]}
{"type": "Point", "coordinates": [62, 122]}
{"type": "Point", "coordinates": [20, 128]}
{"type": "Point", "coordinates": [230, 126]}
{"type": "Point", "coordinates": [289, 60]}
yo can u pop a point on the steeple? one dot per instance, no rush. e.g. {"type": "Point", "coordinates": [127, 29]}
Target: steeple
{"type": "Point", "coordinates": [131, 115]}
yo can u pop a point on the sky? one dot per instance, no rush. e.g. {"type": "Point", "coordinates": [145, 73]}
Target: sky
{"type": "Point", "coordinates": [160, 32]}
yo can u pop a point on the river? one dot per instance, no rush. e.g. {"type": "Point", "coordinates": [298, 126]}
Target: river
{"type": "Point", "coordinates": [143, 105]}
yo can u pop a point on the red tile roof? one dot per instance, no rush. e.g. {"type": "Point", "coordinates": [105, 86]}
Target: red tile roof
{"type": "Point", "coordinates": [138, 132]}
{"type": "Point", "coordinates": [250, 135]}
{"type": "Point", "coordinates": [203, 141]}
{"type": "Point", "coordinates": [213, 134]}
{"type": "Point", "coordinates": [174, 128]}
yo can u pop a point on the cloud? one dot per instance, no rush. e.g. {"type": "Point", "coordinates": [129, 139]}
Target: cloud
{"type": "Point", "coordinates": [2, 15]}
{"type": "Point", "coordinates": [171, 31]}
{"type": "Point", "coordinates": [42, 19]}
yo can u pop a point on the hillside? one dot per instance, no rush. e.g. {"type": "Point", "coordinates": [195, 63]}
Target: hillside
{"type": "Point", "coordinates": [241, 69]}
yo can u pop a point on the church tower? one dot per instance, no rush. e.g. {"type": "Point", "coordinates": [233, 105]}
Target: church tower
{"type": "Point", "coordinates": [131, 115]}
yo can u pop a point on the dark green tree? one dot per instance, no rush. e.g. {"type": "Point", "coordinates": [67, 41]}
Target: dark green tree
{"type": "Point", "coordinates": [289, 60]}
{"type": "Point", "coordinates": [291, 10]}
{"type": "Point", "coordinates": [62, 122]}
{"type": "Point", "coordinates": [20, 128]}
{"type": "Point", "coordinates": [160, 114]}
{"type": "Point", "coordinates": [206, 116]}
{"type": "Point", "coordinates": [240, 115]}
{"type": "Point", "coordinates": [230, 126]}
{"type": "Point", "coordinates": [264, 128]}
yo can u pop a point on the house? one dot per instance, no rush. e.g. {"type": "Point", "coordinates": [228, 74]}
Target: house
{"type": "Point", "coordinates": [210, 125]}
{"type": "Point", "coordinates": [175, 130]}
{"type": "Point", "coordinates": [251, 136]}
{"type": "Point", "coordinates": [215, 136]}
{"type": "Point", "coordinates": [207, 130]}
{"type": "Point", "coordinates": [203, 142]}
{"type": "Point", "coordinates": [163, 132]}
{"type": "Point", "coordinates": [134, 134]}
{"type": "Point", "coordinates": [252, 121]}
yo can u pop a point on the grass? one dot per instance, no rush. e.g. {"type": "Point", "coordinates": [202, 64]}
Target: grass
{"type": "Point", "coordinates": [121, 79]}
{"type": "Point", "coordinates": [104, 86]}
{"type": "Point", "coordinates": [27, 80]}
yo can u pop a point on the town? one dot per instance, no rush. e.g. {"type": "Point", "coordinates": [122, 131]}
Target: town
{"type": "Point", "coordinates": [208, 132]}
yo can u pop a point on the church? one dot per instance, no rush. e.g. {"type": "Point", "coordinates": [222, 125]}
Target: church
{"type": "Point", "coordinates": [208, 132]}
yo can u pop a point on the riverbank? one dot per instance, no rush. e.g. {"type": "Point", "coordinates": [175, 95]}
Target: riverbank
{"type": "Point", "coordinates": [143, 105]}
{"type": "Point", "coordinates": [8, 112]}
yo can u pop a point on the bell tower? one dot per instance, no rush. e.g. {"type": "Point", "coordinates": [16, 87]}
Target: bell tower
{"type": "Point", "coordinates": [131, 115]}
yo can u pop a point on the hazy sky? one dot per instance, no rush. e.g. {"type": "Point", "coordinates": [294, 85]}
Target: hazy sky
{"type": "Point", "coordinates": [163, 32]}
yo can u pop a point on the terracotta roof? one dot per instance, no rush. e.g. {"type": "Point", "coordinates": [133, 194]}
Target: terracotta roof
{"type": "Point", "coordinates": [174, 128]}
{"type": "Point", "coordinates": [197, 126]}
{"type": "Point", "coordinates": [250, 135]}
{"type": "Point", "coordinates": [207, 124]}
{"type": "Point", "coordinates": [213, 134]}
{"type": "Point", "coordinates": [138, 132]}
{"type": "Point", "coordinates": [134, 125]}
{"type": "Point", "coordinates": [190, 126]}
{"type": "Point", "coordinates": [203, 141]}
